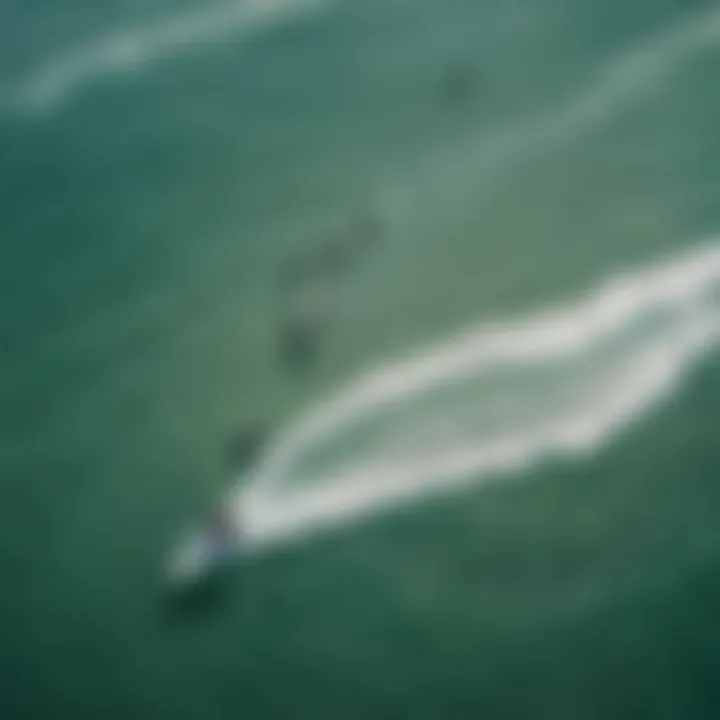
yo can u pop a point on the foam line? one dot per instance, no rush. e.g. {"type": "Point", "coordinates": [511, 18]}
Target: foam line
{"type": "Point", "coordinates": [540, 338]}
{"type": "Point", "coordinates": [133, 48]}
{"type": "Point", "coordinates": [624, 79]}
{"type": "Point", "coordinates": [683, 293]}
{"type": "Point", "coordinates": [678, 287]}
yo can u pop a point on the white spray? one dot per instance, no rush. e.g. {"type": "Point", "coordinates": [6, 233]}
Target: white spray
{"type": "Point", "coordinates": [599, 364]}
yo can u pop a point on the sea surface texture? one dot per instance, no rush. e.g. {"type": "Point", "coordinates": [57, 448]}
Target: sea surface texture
{"type": "Point", "coordinates": [456, 263]}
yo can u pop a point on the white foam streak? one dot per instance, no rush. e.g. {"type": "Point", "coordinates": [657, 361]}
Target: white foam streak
{"type": "Point", "coordinates": [130, 49]}
{"type": "Point", "coordinates": [623, 80]}
{"type": "Point", "coordinates": [541, 338]}
{"type": "Point", "coordinates": [684, 292]}
{"type": "Point", "coordinates": [680, 288]}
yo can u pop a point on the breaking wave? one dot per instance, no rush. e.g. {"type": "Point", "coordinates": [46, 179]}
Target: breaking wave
{"type": "Point", "coordinates": [133, 48]}
{"type": "Point", "coordinates": [497, 399]}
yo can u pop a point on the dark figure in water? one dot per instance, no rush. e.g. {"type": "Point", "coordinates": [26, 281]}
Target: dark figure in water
{"type": "Point", "coordinates": [343, 247]}
{"type": "Point", "coordinates": [310, 308]}
{"type": "Point", "coordinates": [299, 271]}
{"type": "Point", "coordinates": [245, 446]}
{"type": "Point", "coordinates": [312, 284]}
{"type": "Point", "coordinates": [299, 346]}
{"type": "Point", "coordinates": [461, 84]}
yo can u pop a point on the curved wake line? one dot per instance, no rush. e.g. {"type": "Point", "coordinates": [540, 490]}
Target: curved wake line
{"type": "Point", "coordinates": [684, 291]}
{"type": "Point", "coordinates": [122, 52]}
{"type": "Point", "coordinates": [622, 80]}
{"type": "Point", "coordinates": [134, 48]}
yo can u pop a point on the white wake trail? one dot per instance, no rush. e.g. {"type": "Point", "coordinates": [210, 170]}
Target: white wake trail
{"type": "Point", "coordinates": [134, 48]}
{"type": "Point", "coordinates": [570, 379]}
{"type": "Point", "coordinates": [626, 78]}
{"type": "Point", "coordinates": [602, 361]}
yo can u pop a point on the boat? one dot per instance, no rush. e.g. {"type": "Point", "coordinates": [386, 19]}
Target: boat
{"type": "Point", "coordinates": [206, 550]}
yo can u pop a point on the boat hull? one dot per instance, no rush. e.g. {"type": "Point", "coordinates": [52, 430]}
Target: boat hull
{"type": "Point", "coordinates": [197, 558]}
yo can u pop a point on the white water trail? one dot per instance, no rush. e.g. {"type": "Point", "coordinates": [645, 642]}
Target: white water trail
{"type": "Point", "coordinates": [580, 416]}
{"type": "Point", "coordinates": [623, 80]}
{"type": "Point", "coordinates": [595, 365]}
{"type": "Point", "coordinates": [133, 48]}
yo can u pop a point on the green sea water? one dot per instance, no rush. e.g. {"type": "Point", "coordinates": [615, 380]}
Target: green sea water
{"type": "Point", "coordinates": [159, 163]}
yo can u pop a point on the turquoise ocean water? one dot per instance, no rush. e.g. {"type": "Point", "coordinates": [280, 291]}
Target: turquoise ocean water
{"type": "Point", "coordinates": [511, 429]}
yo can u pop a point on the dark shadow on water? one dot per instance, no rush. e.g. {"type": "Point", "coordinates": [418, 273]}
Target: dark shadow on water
{"type": "Point", "coordinates": [299, 346]}
{"type": "Point", "coordinates": [201, 601]}
{"type": "Point", "coordinates": [245, 446]}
